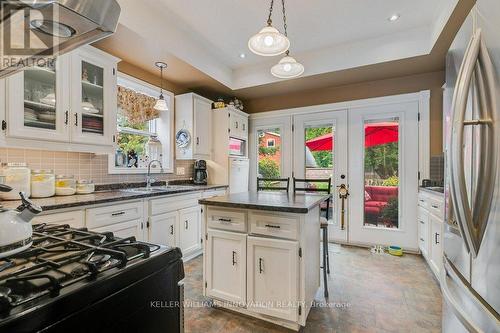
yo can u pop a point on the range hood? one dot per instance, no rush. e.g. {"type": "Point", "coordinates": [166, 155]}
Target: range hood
{"type": "Point", "coordinates": [34, 30]}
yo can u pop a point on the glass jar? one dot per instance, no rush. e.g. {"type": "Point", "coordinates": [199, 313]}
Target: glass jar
{"type": "Point", "coordinates": [43, 183]}
{"type": "Point", "coordinates": [17, 176]}
{"type": "Point", "coordinates": [154, 148]}
{"type": "Point", "coordinates": [65, 185]}
{"type": "Point", "coordinates": [85, 186]}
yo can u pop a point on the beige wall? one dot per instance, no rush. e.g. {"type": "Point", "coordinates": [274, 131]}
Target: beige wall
{"type": "Point", "coordinates": [394, 86]}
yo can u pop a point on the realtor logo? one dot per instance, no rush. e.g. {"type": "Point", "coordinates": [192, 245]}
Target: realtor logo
{"type": "Point", "coordinates": [28, 31]}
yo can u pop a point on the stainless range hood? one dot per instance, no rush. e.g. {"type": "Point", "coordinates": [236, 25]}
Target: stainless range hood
{"type": "Point", "coordinates": [33, 30]}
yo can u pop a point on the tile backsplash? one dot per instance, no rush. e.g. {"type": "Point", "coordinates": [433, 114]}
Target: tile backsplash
{"type": "Point", "coordinates": [82, 165]}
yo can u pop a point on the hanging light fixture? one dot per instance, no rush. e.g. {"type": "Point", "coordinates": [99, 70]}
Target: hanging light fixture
{"type": "Point", "coordinates": [161, 103]}
{"type": "Point", "coordinates": [269, 41]}
{"type": "Point", "coordinates": [287, 67]}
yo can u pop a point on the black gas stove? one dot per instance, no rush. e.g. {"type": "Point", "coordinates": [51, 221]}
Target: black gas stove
{"type": "Point", "coordinates": [81, 281]}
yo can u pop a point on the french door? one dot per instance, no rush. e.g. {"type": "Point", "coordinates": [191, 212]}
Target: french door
{"type": "Point", "coordinates": [383, 174]}
{"type": "Point", "coordinates": [320, 152]}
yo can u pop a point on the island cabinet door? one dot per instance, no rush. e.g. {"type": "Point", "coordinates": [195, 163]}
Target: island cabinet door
{"type": "Point", "coordinates": [273, 277]}
{"type": "Point", "coordinates": [226, 266]}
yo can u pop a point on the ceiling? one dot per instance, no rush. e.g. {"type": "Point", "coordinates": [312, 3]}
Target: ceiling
{"type": "Point", "coordinates": [202, 40]}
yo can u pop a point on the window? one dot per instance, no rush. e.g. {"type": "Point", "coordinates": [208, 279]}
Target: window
{"type": "Point", "coordinates": [271, 142]}
{"type": "Point", "coordinates": [142, 131]}
{"type": "Point", "coordinates": [269, 154]}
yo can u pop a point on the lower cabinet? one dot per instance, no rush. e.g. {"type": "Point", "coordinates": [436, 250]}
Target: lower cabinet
{"type": "Point", "coordinates": [163, 228]}
{"type": "Point", "coordinates": [273, 277]}
{"type": "Point", "coordinates": [226, 269]}
{"type": "Point", "coordinates": [124, 229]}
{"type": "Point", "coordinates": [190, 229]}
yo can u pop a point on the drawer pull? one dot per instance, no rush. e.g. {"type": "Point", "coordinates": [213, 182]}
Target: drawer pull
{"type": "Point", "coordinates": [421, 239]}
{"type": "Point", "coordinates": [273, 226]}
{"type": "Point", "coordinates": [436, 238]}
{"type": "Point", "coordinates": [261, 269]}
{"type": "Point", "coordinates": [225, 220]}
{"type": "Point", "coordinates": [435, 206]}
{"type": "Point", "coordinates": [422, 222]}
{"type": "Point", "coordinates": [118, 214]}
{"type": "Point", "coordinates": [234, 258]}
{"type": "Point", "coordinates": [421, 200]}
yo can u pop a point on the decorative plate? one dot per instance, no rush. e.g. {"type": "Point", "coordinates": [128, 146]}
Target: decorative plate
{"type": "Point", "coordinates": [182, 138]}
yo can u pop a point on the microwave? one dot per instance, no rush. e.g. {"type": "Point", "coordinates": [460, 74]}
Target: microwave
{"type": "Point", "coordinates": [237, 147]}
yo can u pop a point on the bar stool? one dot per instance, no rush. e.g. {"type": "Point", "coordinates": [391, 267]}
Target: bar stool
{"type": "Point", "coordinates": [323, 220]}
{"type": "Point", "coordinates": [273, 184]}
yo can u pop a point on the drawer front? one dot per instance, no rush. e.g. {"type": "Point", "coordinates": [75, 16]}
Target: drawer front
{"type": "Point", "coordinates": [423, 231]}
{"type": "Point", "coordinates": [436, 207]}
{"type": "Point", "coordinates": [274, 225]}
{"type": "Point", "coordinates": [103, 216]}
{"type": "Point", "coordinates": [124, 229]}
{"type": "Point", "coordinates": [226, 219]}
{"type": "Point", "coordinates": [75, 219]}
{"type": "Point", "coordinates": [423, 200]}
{"type": "Point", "coordinates": [170, 204]}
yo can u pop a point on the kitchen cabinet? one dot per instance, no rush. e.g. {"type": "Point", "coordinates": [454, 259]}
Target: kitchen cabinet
{"type": "Point", "coordinates": [194, 116]}
{"type": "Point", "coordinates": [430, 229]}
{"type": "Point", "coordinates": [72, 100]}
{"type": "Point", "coordinates": [127, 229]}
{"type": "Point", "coordinates": [226, 269]}
{"type": "Point", "coordinates": [273, 277]}
{"type": "Point", "coordinates": [162, 229]}
{"type": "Point", "coordinates": [238, 124]}
{"type": "Point", "coordinates": [190, 229]}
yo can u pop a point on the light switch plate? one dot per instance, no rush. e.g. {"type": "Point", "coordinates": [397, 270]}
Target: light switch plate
{"type": "Point", "coordinates": [180, 171]}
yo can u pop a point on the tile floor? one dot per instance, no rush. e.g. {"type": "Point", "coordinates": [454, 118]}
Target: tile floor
{"type": "Point", "coordinates": [368, 293]}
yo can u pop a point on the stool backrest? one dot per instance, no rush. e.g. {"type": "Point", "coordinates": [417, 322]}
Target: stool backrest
{"type": "Point", "coordinates": [273, 184]}
{"type": "Point", "coordinates": [311, 185]}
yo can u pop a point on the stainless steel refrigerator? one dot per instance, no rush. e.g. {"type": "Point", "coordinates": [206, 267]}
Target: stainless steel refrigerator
{"type": "Point", "coordinates": [471, 279]}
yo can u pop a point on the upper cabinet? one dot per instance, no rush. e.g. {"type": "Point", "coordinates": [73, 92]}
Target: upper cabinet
{"type": "Point", "coordinates": [238, 123]}
{"type": "Point", "coordinates": [71, 100]}
{"type": "Point", "coordinates": [193, 127]}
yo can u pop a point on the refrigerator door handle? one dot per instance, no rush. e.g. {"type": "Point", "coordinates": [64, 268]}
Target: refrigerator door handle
{"type": "Point", "coordinates": [472, 222]}
{"type": "Point", "coordinates": [461, 315]}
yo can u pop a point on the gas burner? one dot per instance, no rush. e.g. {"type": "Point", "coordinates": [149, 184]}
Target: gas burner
{"type": "Point", "coordinates": [99, 259]}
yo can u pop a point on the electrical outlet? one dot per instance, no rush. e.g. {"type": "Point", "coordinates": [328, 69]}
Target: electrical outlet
{"type": "Point", "coordinates": [181, 171]}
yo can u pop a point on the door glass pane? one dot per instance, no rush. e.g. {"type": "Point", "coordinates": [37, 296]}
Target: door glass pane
{"type": "Point", "coordinates": [381, 156]}
{"type": "Point", "coordinates": [92, 98]}
{"type": "Point", "coordinates": [269, 155]}
{"type": "Point", "coordinates": [40, 97]}
{"type": "Point", "coordinates": [319, 150]}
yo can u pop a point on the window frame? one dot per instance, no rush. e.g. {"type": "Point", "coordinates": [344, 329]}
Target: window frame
{"type": "Point", "coordinates": [163, 128]}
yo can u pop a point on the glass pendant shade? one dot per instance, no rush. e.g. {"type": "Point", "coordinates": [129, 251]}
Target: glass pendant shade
{"type": "Point", "coordinates": [161, 104]}
{"type": "Point", "coordinates": [287, 68]}
{"type": "Point", "coordinates": [268, 42]}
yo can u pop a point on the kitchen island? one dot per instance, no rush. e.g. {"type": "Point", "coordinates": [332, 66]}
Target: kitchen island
{"type": "Point", "coordinates": [262, 254]}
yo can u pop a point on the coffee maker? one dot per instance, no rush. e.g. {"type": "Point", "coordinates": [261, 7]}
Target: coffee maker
{"type": "Point", "coordinates": [200, 172]}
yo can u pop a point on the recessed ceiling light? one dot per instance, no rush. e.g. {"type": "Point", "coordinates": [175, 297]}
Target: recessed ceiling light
{"type": "Point", "coordinates": [394, 17]}
{"type": "Point", "coordinates": [243, 55]}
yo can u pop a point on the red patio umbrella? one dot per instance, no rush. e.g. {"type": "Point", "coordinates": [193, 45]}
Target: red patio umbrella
{"type": "Point", "coordinates": [375, 134]}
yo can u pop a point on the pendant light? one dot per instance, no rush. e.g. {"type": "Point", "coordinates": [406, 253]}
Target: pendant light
{"type": "Point", "coordinates": [161, 103]}
{"type": "Point", "coordinates": [287, 67]}
{"type": "Point", "coordinates": [269, 41]}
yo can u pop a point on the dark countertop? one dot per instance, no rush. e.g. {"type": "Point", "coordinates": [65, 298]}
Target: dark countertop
{"type": "Point", "coordinates": [109, 196]}
{"type": "Point", "coordinates": [434, 190]}
{"type": "Point", "coordinates": [275, 202]}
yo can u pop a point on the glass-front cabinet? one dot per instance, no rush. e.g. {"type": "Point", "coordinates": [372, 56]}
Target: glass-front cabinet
{"type": "Point", "coordinates": [38, 102]}
{"type": "Point", "coordinates": [71, 99]}
{"type": "Point", "coordinates": [94, 98]}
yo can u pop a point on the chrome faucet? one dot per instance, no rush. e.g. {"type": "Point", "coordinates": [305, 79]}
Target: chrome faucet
{"type": "Point", "coordinates": [149, 180]}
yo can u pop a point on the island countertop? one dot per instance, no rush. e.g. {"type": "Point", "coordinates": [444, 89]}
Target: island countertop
{"type": "Point", "coordinates": [269, 201]}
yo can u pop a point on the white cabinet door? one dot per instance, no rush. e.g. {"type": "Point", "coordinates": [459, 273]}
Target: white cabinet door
{"type": "Point", "coordinates": [162, 229]}
{"type": "Point", "coordinates": [38, 102]}
{"type": "Point", "coordinates": [226, 269]}
{"type": "Point", "coordinates": [202, 127]}
{"type": "Point", "coordinates": [244, 128]}
{"type": "Point", "coordinates": [75, 219]}
{"type": "Point", "coordinates": [436, 246]}
{"type": "Point", "coordinates": [94, 97]}
{"type": "Point", "coordinates": [273, 277]}
{"type": "Point", "coordinates": [423, 231]}
{"type": "Point", "coordinates": [125, 229]}
{"type": "Point", "coordinates": [190, 229]}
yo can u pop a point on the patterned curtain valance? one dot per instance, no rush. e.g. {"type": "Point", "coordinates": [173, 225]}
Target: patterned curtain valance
{"type": "Point", "coordinates": [137, 107]}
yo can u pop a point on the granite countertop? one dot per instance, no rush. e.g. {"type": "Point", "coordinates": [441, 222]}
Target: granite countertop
{"type": "Point", "coordinates": [269, 201]}
{"type": "Point", "coordinates": [109, 196]}
{"type": "Point", "coordinates": [438, 190]}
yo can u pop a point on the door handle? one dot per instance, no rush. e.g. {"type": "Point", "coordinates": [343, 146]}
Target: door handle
{"type": "Point", "coordinates": [197, 141]}
{"type": "Point", "coordinates": [234, 258]}
{"type": "Point", "coordinates": [261, 269]}
{"type": "Point", "coordinates": [186, 224]}
{"type": "Point", "coordinates": [171, 229]}
{"type": "Point", "coordinates": [66, 117]}
{"type": "Point", "coordinates": [343, 194]}
{"type": "Point", "coordinates": [76, 119]}
{"type": "Point", "coordinates": [436, 236]}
